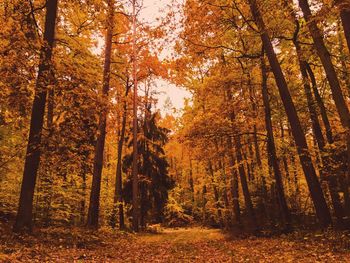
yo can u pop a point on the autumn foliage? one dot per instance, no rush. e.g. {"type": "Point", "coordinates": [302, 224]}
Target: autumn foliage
{"type": "Point", "coordinates": [261, 146]}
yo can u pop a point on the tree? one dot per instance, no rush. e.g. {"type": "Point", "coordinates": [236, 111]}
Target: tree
{"type": "Point", "coordinates": [271, 149]}
{"type": "Point", "coordinates": [93, 214]}
{"type": "Point", "coordinates": [118, 193]}
{"type": "Point", "coordinates": [154, 182]}
{"type": "Point", "coordinates": [344, 7]}
{"type": "Point", "coordinates": [135, 185]}
{"type": "Point", "coordinates": [25, 209]}
{"type": "Point", "coordinates": [316, 192]}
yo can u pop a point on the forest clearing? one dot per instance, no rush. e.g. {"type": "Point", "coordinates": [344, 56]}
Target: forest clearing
{"type": "Point", "coordinates": [175, 130]}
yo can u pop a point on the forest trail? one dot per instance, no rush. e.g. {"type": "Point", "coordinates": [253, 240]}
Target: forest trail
{"type": "Point", "coordinates": [193, 244]}
{"type": "Point", "coordinates": [212, 245]}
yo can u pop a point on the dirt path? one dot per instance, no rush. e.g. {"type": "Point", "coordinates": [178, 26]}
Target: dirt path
{"type": "Point", "coordinates": [208, 245]}
{"type": "Point", "coordinates": [177, 245]}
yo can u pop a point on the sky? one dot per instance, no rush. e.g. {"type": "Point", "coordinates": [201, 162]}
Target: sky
{"type": "Point", "coordinates": [151, 10]}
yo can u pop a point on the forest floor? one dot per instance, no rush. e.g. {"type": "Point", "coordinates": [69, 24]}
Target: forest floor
{"type": "Point", "coordinates": [193, 244]}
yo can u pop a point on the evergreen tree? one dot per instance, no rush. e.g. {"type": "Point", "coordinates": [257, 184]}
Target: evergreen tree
{"type": "Point", "coordinates": [154, 181]}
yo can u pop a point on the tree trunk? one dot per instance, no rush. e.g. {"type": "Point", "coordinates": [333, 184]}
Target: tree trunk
{"type": "Point", "coordinates": [83, 202]}
{"type": "Point", "coordinates": [234, 183]}
{"type": "Point", "coordinates": [325, 57]}
{"type": "Point", "coordinates": [331, 74]}
{"type": "Point", "coordinates": [345, 77]}
{"type": "Point", "coordinates": [32, 160]}
{"type": "Point", "coordinates": [93, 213]}
{"type": "Point", "coordinates": [320, 104]}
{"type": "Point", "coordinates": [135, 184]}
{"type": "Point", "coordinates": [118, 192]}
{"type": "Point", "coordinates": [224, 192]}
{"type": "Point", "coordinates": [191, 183]}
{"type": "Point", "coordinates": [315, 124]}
{"type": "Point", "coordinates": [316, 129]}
{"type": "Point", "coordinates": [284, 157]}
{"type": "Point", "coordinates": [317, 196]}
{"type": "Point", "coordinates": [337, 96]}
{"type": "Point", "coordinates": [255, 116]}
{"type": "Point", "coordinates": [204, 200]}
{"type": "Point", "coordinates": [242, 174]}
{"type": "Point", "coordinates": [216, 194]}
{"type": "Point", "coordinates": [344, 7]}
{"type": "Point", "coordinates": [271, 149]}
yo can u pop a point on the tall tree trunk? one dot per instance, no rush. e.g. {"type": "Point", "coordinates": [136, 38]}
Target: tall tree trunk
{"type": "Point", "coordinates": [93, 213]}
{"type": "Point", "coordinates": [345, 76]}
{"type": "Point", "coordinates": [332, 77]}
{"type": "Point", "coordinates": [329, 134]}
{"type": "Point", "coordinates": [118, 192]}
{"type": "Point", "coordinates": [316, 129]}
{"type": "Point", "coordinates": [344, 7]}
{"type": "Point", "coordinates": [242, 174]}
{"type": "Point", "coordinates": [325, 57]}
{"type": "Point", "coordinates": [234, 183]}
{"type": "Point", "coordinates": [320, 104]}
{"type": "Point", "coordinates": [315, 124]}
{"type": "Point", "coordinates": [32, 160]}
{"type": "Point", "coordinates": [337, 96]}
{"type": "Point", "coordinates": [271, 149]}
{"type": "Point", "coordinates": [135, 184]}
{"type": "Point", "coordinates": [255, 116]}
{"type": "Point", "coordinates": [317, 196]}
{"type": "Point", "coordinates": [284, 157]}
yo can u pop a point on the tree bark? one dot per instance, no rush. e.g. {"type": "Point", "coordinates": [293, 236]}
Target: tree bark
{"type": "Point", "coordinates": [242, 175]}
{"type": "Point", "coordinates": [93, 212]}
{"type": "Point", "coordinates": [332, 77]}
{"type": "Point", "coordinates": [118, 192]}
{"type": "Point", "coordinates": [32, 160]}
{"type": "Point", "coordinates": [316, 129]}
{"type": "Point", "coordinates": [271, 149]}
{"type": "Point", "coordinates": [344, 7]}
{"type": "Point", "coordinates": [317, 196]}
{"type": "Point", "coordinates": [255, 116]}
{"type": "Point", "coordinates": [191, 183]}
{"type": "Point", "coordinates": [234, 183]}
{"type": "Point", "coordinates": [325, 57]}
{"type": "Point", "coordinates": [135, 184]}
{"type": "Point", "coordinates": [320, 104]}
{"type": "Point", "coordinates": [216, 194]}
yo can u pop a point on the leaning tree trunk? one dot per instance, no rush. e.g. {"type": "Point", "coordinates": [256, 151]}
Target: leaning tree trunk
{"type": "Point", "coordinates": [93, 213]}
{"type": "Point", "coordinates": [25, 209]}
{"type": "Point", "coordinates": [255, 116]}
{"type": "Point", "coordinates": [325, 57]}
{"type": "Point", "coordinates": [271, 149]}
{"type": "Point", "coordinates": [320, 104]}
{"type": "Point", "coordinates": [332, 77]}
{"type": "Point", "coordinates": [316, 129]}
{"type": "Point", "coordinates": [316, 192]}
{"type": "Point", "coordinates": [344, 7]}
